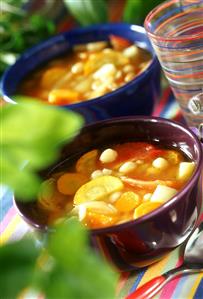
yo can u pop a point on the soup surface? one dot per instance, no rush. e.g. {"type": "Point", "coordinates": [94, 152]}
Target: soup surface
{"type": "Point", "coordinates": [88, 71]}
{"type": "Point", "coordinates": [115, 185]}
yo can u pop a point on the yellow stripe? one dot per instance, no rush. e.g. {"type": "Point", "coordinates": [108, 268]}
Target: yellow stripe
{"type": "Point", "coordinates": [154, 270]}
{"type": "Point", "coordinates": [5, 236]}
{"type": "Point", "coordinates": [195, 286]}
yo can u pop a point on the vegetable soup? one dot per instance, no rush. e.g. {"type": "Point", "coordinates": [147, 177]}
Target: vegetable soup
{"type": "Point", "coordinates": [87, 72]}
{"type": "Point", "coordinates": [106, 187]}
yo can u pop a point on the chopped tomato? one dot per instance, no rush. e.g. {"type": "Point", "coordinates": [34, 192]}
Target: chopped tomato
{"type": "Point", "coordinates": [118, 42]}
{"type": "Point", "coordinates": [132, 151]}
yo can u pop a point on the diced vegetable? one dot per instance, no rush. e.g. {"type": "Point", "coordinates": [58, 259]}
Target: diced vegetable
{"type": "Point", "coordinates": [185, 170]}
{"type": "Point", "coordinates": [163, 193]}
{"type": "Point", "coordinates": [145, 208]}
{"type": "Point", "coordinates": [63, 96]}
{"type": "Point", "coordinates": [87, 162]}
{"type": "Point", "coordinates": [69, 183]}
{"type": "Point", "coordinates": [51, 76]}
{"type": "Point", "coordinates": [98, 189]}
{"type": "Point", "coordinates": [96, 220]}
{"type": "Point", "coordinates": [99, 207]}
{"type": "Point", "coordinates": [118, 42]}
{"type": "Point", "coordinates": [127, 202]}
{"type": "Point", "coordinates": [139, 178]}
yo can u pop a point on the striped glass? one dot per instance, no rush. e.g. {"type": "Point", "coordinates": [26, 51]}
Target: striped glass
{"type": "Point", "coordinates": [175, 29]}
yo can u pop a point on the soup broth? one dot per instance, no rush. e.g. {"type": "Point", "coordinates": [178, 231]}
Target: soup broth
{"type": "Point", "coordinates": [88, 71]}
{"type": "Point", "coordinates": [110, 186]}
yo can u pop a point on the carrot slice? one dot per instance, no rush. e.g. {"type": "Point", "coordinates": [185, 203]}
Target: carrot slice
{"type": "Point", "coordinates": [87, 163]}
{"type": "Point", "coordinates": [95, 220]}
{"type": "Point", "coordinates": [63, 96]}
{"type": "Point", "coordinates": [49, 198]}
{"type": "Point", "coordinates": [145, 208]}
{"type": "Point", "coordinates": [128, 201]}
{"type": "Point", "coordinates": [69, 183]}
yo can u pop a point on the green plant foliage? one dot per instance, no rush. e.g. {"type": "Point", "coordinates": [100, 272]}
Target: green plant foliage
{"type": "Point", "coordinates": [88, 12]}
{"type": "Point", "coordinates": [136, 10]}
{"type": "Point", "coordinates": [17, 264]}
{"type": "Point", "coordinates": [86, 274]}
{"type": "Point", "coordinates": [19, 30]}
{"type": "Point", "coordinates": [31, 136]}
{"type": "Point", "coordinates": [65, 268]}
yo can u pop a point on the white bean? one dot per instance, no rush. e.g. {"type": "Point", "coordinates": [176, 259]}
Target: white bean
{"type": "Point", "coordinates": [131, 52]}
{"type": "Point", "coordinates": [160, 163]}
{"type": "Point", "coordinates": [108, 155]}
{"type": "Point", "coordinates": [147, 196]}
{"type": "Point", "coordinates": [129, 77]}
{"type": "Point", "coordinates": [96, 46]}
{"type": "Point", "coordinates": [77, 68]}
{"type": "Point", "coordinates": [127, 167]}
{"type": "Point", "coordinates": [128, 68]}
{"type": "Point", "coordinates": [107, 70]}
{"type": "Point", "coordinates": [114, 197]}
{"type": "Point", "coordinates": [97, 173]}
{"type": "Point", "coordinates": [106, 171]}
{"type": "Point", "coordinates": [118, 75]}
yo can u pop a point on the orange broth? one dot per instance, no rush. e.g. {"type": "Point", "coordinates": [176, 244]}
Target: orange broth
{"type": "Point", "coordinates": [88, 71]}
{"type": "Point", "coordinates": [115, 185]}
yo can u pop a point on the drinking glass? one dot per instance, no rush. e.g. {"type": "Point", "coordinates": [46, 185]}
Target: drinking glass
{"type": "Point", "coordinates": [175, 29]}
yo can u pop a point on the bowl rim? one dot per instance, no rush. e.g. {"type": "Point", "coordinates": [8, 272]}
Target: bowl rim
{"type": "Point", "coordinates": [164, 207]}
{"type": "Point", "coordinates": [57, 38]}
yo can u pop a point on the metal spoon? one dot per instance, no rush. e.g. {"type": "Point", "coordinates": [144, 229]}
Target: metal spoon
{"type": "Point", "coordinates": [193, 263]}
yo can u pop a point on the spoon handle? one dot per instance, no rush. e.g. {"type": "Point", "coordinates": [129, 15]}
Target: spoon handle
{"type": "Point", "coordinates": [152, 287]}
{"type": "Point", "coordinates": [149, 289]}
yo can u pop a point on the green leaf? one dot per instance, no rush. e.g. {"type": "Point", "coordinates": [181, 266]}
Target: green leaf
{"type": "Point", "coordinates": [88, 12]}
{"type": "Point", "coordinates": [32, 134]}
{"type": "Point", "coordinates": [135, 11]}
{"type": "Point", "coordinates": [77, 239]}
{"type": "Point", "coordinates": [77, 266]}
{"type": "Point", "coordinates": [17, 264]}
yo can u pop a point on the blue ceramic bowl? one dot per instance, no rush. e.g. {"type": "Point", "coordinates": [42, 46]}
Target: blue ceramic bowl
{"type": "Point", "coordinates": [140, 242]}
{"type": "Point", "coordinates": [135, 98]}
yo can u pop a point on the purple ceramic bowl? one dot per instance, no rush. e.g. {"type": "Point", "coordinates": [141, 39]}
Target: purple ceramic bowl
{"type": "Point", "coordinates": [139, 242]}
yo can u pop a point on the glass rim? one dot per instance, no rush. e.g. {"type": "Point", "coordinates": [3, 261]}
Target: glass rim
{"type": "Point", "coordinates": [157, 9]}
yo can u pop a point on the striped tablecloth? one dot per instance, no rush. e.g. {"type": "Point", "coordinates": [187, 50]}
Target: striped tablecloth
{"type": "Point", "coordinates": [12, 227]}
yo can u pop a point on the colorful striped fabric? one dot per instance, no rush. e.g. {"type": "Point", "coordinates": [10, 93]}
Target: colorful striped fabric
{"type": "Point", "coordinates": [12, 227]}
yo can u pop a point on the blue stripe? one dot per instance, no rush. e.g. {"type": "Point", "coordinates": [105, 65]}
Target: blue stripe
{"type": "Point", "coordinates": [137, 280]}
{"type": "Point", "coordinates": [199, 291]}
{"type": "Point", "coordinates": [5, 202]}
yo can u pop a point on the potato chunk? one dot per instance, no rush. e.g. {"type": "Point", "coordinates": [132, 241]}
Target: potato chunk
{"type": "Point", "coordinates": [185, 170]}
{"type": "Point", "coordinates": [98, 189]}
{"type": "Point", "coordinates": [163, 193]}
